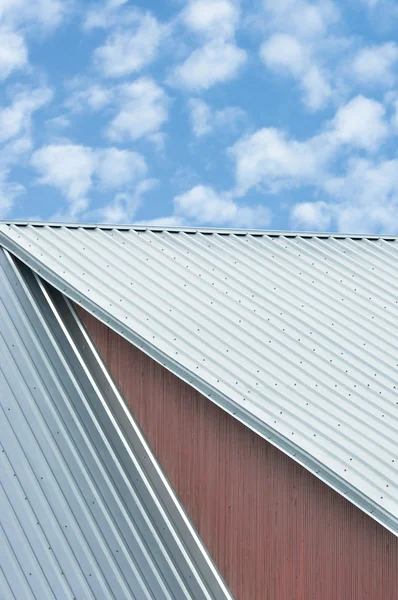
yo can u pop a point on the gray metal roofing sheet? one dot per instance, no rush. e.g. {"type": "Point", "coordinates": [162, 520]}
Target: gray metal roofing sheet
{"type": "Point", "coordinates": [294, 335]}
{"type": "Point", "coordinates": [85, 510]}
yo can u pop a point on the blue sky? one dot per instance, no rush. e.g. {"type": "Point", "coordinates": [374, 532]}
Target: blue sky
{"type": "Point", "coordinates": [260, 113]}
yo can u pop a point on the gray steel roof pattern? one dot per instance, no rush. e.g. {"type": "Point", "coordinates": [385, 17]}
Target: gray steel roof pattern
{"type": "Point", "coordinates": [85, 510]}
{"type": "Point", "coordinates": [294, 335]}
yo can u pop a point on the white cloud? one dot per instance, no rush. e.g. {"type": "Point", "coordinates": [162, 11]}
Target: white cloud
{"type": "Point", "coordinates": [284, 53]}
{"type": "Point", "coordinates": [360, 123]}
{"type": "Point", "coordinates": [315, 216]}
{"type": "Point", "coordinates": [117, 168]}
{"type": "Point", "coordinates": [74, 169]}
{"type": "Point", "coordinates": [212, 18]}
{"type": "Point", "coordinates": [229, 118]}
{"type": "Point", "coordinates": [369, 181]}
{"type": "Point", "coordinates": [298, 45]}
{"type": "Point", "coordinates": [57, 123]}
{"type": "Point", "coordinates": [13, 53]}
{"type": "Point", "coordinates": [205, 120]}
{"type": "Point", "coordinates": [130, 49]}
{"type": "Point", "coordinates": [362, 200]}
{"type": "Point", "coordinates": [15, 119]}
{"type": "Point", "coordinates": [375, 64]}
{"type": "Point", "coordinates": [123, 207]}
{"type": "Point", "coordinates": [170, 221]}
{"type": "Point", "coordinates": [9, 191]}
{"type": "Point", "coordinates": [47, 14]}
{"type": "Point", "coordinates": [391, 99]}
{"type": "Point", "coordinates": [84, 95]}
{"type": "Point", "coordinates": [117, 211]}
{"type": "Point", "coordinates": [316, 87]}
{"type": "Point", "coordinates": [69, 168]}
{"type": "Point", "coordinates": [108, 14]}
{"type": "Point", "coordinates": [158, 140]}
{"type": "Point", "coordinates": [217, 61]}
{"type": "Point", "coordinates": [143, 110]}
{"type": "Point", "coordinates": [201, 117]}
{"type": "Point", "coordinates": [16, 139]}
{"type": "Point", "coordinates": [19, 19]}
{"type": "Point", "coordinates": [270, 158]}
{"type": "Point", "coordinates": [301, 18]}
{"type": "Point", "coordinates": [140, 108]}
{"type": "Point", "coordinates": [203, 206]}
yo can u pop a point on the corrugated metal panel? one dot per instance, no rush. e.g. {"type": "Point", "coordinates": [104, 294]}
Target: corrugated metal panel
{"type": "Point", "coordinates": [85, 510]}
{"type": "Point", "coordinates": [275, 531]}
{"type": "Point", "coordinates": [295, 336]}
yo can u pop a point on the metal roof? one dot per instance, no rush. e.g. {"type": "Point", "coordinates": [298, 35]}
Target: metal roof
{"type": "Point", "coordinates": [85, 509]}
{"type": "Point", "coordinates": [295, 335]}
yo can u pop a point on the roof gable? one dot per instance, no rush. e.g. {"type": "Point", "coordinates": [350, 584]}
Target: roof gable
{"type": "Point", "coordinates": [296, 336]}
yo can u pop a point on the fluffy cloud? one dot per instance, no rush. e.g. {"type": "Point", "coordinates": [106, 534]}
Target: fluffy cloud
{"type": "Point", "coordinates": [212, 18]}
{"type": "Point", "coordinates": [360, 123]}
{"type": "Point", "coordinates": [370, 186]}
{"type": "Point", "coordinates": [312, 216]}
{"type": "Point", "coordinates": [118, 168]}
{"type": "Point", "coordinates": [15, 119]}
{"type": "Point", "coordinates": [142, 110]}
{"type": "Point", "coordinates": [215, 62]}
{"type": "Point", "coordinates": [69, 168]}
{"type": "Point", "coordinates": [375, 64]}
{"type": "Point", "coordinates": [18, 19]}
{"type": "Point", "coordinates": [283, 53]}
{"type": "Point", "coordinates": [301, 18]}
{"type": "Point", "coordinates": [270, 158]}
{"type": "Point", "coordinates": [219, 59]}
{"type": "Point", "coordinates": [16, 139]}
{"type": "Point", "coordinates": [9, 191]}
{"type": "Point", "coordinates": [201, 205]}
{"type": "Point", "coordinates": [362, 200]}
{"type": "Point", "coordinates": [84, 95]}
{"type": "Point", "coordinates": [72, 168]}
{"type": "Point", "coordinates": [13, 53]}
{"type": "Point", "coordinates": [205, 120]}
{"type": "Point", "coordinates": [128, 50]}
{"type": "Point", "coordinates": [124, 206]}
{"type": "Point", "coordinates": [108, 14]}
{"type": "Point", "coordinates": [296, 45]}
{"type": "Point", "coordinates": [46, 14]}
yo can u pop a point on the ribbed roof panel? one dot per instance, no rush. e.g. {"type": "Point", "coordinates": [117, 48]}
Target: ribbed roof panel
{"type": "Point", "coordinates": [85, 511]}
{"type": "Point", "coordinates": [297, 336]}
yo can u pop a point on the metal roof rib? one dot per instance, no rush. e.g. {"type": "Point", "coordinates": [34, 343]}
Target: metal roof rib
{"type": "Point", "coordinates": [86, 510]}
{"type": "Point", "coordinates": [295, 335]}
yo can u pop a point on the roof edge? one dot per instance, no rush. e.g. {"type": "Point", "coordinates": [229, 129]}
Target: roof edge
{"type": "Point", "coordinates": [204, 230]}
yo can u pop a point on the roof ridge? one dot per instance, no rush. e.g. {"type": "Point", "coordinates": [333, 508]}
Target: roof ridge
{"type": "Point", "coordinates": [204, 230]}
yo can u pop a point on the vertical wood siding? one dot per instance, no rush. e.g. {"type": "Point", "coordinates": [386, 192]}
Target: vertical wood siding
{"type": "Point", "coordinates": [274, 530]}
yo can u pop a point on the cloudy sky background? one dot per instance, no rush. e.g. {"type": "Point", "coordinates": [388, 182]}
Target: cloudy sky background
{"type": "Point", "coordinates": [260, 113]}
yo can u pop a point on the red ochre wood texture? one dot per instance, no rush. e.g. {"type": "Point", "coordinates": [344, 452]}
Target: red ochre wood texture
{"type": "Point", "coordinates": [274, 530]}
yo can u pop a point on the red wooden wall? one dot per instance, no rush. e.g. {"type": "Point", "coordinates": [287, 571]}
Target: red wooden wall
{"type": "Point", "coordinates": [274, 530]}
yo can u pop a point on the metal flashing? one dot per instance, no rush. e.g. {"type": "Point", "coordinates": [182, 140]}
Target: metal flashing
{"type": "Point", "coordinates": [192, 230]}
